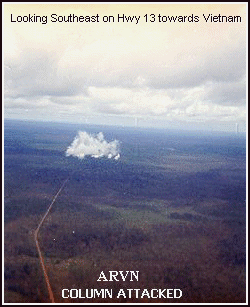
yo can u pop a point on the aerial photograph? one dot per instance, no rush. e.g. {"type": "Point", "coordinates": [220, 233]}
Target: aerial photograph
{"type": "Point", "coordinates": [124, 153]}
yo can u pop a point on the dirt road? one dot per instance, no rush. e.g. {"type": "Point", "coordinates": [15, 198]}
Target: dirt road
{"type": "Point", "coordinates": [38, 247]}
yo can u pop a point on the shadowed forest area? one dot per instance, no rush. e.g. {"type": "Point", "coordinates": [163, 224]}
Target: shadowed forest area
{"type": "Point", "coordinates": [173, 208]}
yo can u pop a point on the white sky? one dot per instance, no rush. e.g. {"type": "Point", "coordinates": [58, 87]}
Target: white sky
{"type": "Point", "coordinates": [188, 75]}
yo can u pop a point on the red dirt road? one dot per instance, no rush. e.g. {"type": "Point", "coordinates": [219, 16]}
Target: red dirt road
{"type": "Point", "coordinates": [38, 247]}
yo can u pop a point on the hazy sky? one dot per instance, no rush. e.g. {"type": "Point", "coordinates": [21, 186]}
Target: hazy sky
{"type": "Point", "coordinates": [190, 75]}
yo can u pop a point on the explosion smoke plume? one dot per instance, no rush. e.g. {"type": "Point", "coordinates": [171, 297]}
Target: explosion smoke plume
{"type": "Point", "coordinates": [95, 146]}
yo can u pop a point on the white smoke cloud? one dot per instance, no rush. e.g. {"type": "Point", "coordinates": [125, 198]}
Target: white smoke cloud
{"type": "Point", "coordinates": [95, 146]}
